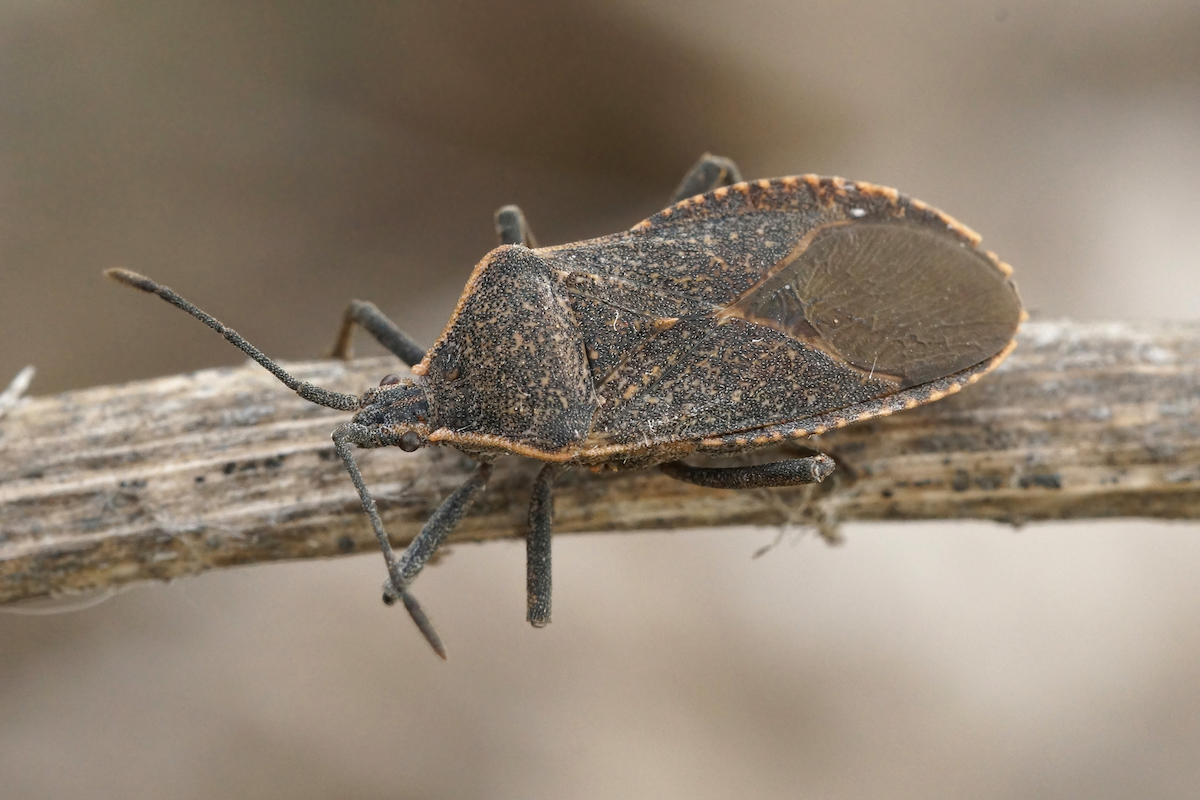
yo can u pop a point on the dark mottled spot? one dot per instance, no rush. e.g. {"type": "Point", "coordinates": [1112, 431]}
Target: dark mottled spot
{"type": "Point", "coordinates": [199, 479]}
{"type": "Point", "coordinates": [1044, 481]}
{"type": "Point", "coordinates": [345, 544]}
{"type": "Point", "coordinates": [229, 468]}
{"type": "Point", "coordinates": [961, 482]}
{"type": "Point", "coordinates": [989, 482]}
{"type": "Point", "coordinates": [121, 499]}
{"type": "Point", "coordinates": [887, 494]}
{"type": "Point", "coordinates": [274, 462]}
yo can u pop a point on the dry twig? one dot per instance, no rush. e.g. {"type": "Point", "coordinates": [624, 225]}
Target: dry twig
{"type": "Point", "coordinates": [169, 477]}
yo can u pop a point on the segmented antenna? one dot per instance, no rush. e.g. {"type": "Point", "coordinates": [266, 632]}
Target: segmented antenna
{"type": "Point", "coordinates": [313, 394]}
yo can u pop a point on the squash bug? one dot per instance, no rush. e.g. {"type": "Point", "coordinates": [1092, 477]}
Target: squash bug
{"type": "Point", "coordinates": [743, 315]}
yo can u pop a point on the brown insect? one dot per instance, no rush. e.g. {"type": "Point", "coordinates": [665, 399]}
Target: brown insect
{"type": "Point", "coordinates": [743, 315]}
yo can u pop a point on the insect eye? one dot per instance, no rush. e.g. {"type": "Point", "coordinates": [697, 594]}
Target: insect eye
{"type": "Point", "coordinates": [389, 380]}
{"type": "Point", "coordinates": [410, 441]}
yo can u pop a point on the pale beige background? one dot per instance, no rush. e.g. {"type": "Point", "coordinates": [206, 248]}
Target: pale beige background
{"type": "Point", "coordinates": [273, 161]}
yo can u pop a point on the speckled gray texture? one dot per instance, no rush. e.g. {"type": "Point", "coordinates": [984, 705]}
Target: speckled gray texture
{"type": "Point", "coordinates": [513, 364]}
{"type": "Point", "coordinates": [755, 311]}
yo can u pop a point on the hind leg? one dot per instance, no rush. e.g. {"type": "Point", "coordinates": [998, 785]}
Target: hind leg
{"type": "Point", "coordinates": [793, 472]}
{"type": "Point", "coordinates": [708, 173]}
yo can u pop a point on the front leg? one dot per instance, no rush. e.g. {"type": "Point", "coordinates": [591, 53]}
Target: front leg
{"type": "Point", "coordinates": [376, 323]}
{"type": "Point", "coordinates": [439, 525]}
{"type": "Point", "coordinates": [397, 586]}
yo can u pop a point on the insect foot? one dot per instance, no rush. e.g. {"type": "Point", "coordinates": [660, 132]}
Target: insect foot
{"type": "Point", "coordinates": [743, 315]}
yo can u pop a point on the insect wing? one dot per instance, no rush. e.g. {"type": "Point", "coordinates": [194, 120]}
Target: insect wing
{"type": "Point", "coordinates": [778, 301]}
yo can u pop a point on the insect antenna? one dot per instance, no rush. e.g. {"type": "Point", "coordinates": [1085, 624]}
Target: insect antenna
{"type": "Point", "coordinates": [397, 587]}
{"type": "Point", "coordinates": [314, 394]}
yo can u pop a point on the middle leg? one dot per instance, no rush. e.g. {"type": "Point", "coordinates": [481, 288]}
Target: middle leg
{"type": "Point", "coordinates": [511, 227]}
{"type": "Point", "coordinates": [537, 547]}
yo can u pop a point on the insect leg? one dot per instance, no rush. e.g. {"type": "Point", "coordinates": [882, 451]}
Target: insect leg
{"type": "Point", "coordinates": [709, 173]}
{"type": "Point", "coordinates": [438, 526]}
{"type": "Point", "coordinates": [511, 227]}
{"type": "Point", "coordinates": [376, 323]}
{"type": "Point", "coordinates": [537, 547]}
{"type": "Point", "coordinates": [792, 472]}
{"type": "Point", "coordinates": [396, 585]}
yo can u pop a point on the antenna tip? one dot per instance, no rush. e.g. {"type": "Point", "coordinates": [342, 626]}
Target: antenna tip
{"type": "Point", "coordinates": [132, 279]}
{"type": "Point", "coordinates": [423, 623]}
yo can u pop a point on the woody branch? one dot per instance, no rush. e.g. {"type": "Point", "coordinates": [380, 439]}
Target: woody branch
{"type": "Point", "coordinates": [163, 478]}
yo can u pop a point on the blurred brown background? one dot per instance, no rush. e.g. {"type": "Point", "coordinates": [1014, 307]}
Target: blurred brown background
{"type": "Point", "coordinates": [273, 160]}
